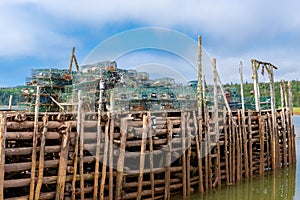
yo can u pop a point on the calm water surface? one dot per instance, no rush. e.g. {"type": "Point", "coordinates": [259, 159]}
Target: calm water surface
{"type": "Point", "coordinates": [285, 184]}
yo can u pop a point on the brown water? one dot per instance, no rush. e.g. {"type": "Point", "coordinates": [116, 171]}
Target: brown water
{"type": "Point", "coordinates": [284, 184]}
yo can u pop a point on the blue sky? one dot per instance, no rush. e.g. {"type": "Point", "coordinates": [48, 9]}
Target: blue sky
{"type": "Point", "coordinates": [39, 34]}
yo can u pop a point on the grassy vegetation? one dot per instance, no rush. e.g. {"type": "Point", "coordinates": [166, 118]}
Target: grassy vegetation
{"type": "Point", "coordinates": [297, 110]}
{"type": "Point", "coordinates": [265, 90]}
{"type": "Point", "coordinates": [6, 92]}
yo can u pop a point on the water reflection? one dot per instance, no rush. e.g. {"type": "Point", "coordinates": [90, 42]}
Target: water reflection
{"type": "Point", "coordinates": [269, 186]}
{"type": "Point", "coordinates": [284, 184]}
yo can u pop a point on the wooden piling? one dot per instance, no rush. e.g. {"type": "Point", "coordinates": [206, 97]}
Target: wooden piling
{"type": "Point", "coordinates": [62, 168]}
{"type": "Point", "coordinates": [34, 144]}
{"type": "Point", "coordinates": [81, 117]}
{"type": "Point", "coordinates": [233, 150]}
{"type": "Point", "coordinates": [243, 118]}
{"type": "Point", "coordinates": [104, 162]}
{"type": "Point", "coordinates": [152, 180]}
{"type": "Point", "coordinates": [98, 143]}
{"type": "Point", "coordinates": [10, 102]}
{"type": "Point", "coordinates": [239, 149]}
{"type": "Point", "coordinates": [250, 143]}
{"type": "Point", "coordinates": [183, 148]}
{"type": "Point", "coordinates": [198, 139]}
{"type": "Point", "coordinates": [76, 148]}
{"type": "Point", "coordinates": [261, 144]}
{"type": "Point", "coordinates": [283, 121]}
{"type": "Point", "coordinates": [111, 147]}
{"type": "Point", "coordinates": [260, 129]}
{"type": "Point", "coordinates": [2, 152]}
{"type": "Point", "coordinates": [256, 84]}
{"type": "Point", "coordinates": [226, 147]}
{"type": "Point", "coordinates": [199, 85]}
{"type": "Point", "coordinates": [214, 130]}
{"type": "Point", "coordinates": [41, 159]}
{"type": "Point", "coordinates": [111, 167]}
{"type": "Point", "coordinates": [168, 160]}
{"type": "Point", "coordinates": [269, 118]}
{"type": "Point", "coordinates": [189, 153]}
{"type": "Point", "coordinates": [291, 112]}
{"type": "Point", "coordinates": [142, 156]}
{"type": "Point", "coordinates": [120, 164]}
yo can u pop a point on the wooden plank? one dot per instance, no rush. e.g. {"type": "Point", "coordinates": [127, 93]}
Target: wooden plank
{"type": "Point", "coordinates": [17, 183]}
{"type": "Point", "coordinates": [63, 162]}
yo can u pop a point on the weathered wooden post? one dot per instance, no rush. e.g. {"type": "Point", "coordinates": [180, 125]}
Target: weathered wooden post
{"type": "Point", "coordinates": [104, 163]}
{"type": "Point", "coordinates": [255, 67]}
{"type": "Point", "coordinates": [198, 140]}
{"type": "Point", "coordinates": [111, 148]}
{"type": "Point", "coordinates": [152, 179]}
{"type": "Point", "coordinates": [63, 162]}
{"type": "Point", "coordinates": [275, 149]}
{"type": "Point", "coordinates": [76, 149]}
{"type": "Point", "coordinates": [244, 133]}
{"type": "Point", "coordinates": [80, 127]}
{"type": "Point", "coordinates": [41, 159]}
{"type": "Point", "coordinates": [216, 120]}
{"type": "Point", "coordinates": [291, 112]}
{"type": "Point", "coordinates": [34, 143]}
{"type": "Point", "coordinates": [168, 160]}
{"type": "Point", "coordinates": [199, 86]}
{"type": "Point", "coordinates": [98, 138]}
{"type": "Point", "coordinates": [183, 138]}
{"type": "Point", "coordinates": [120, 163]}
{"type": "Point", "coordinates": [2, 152]}
{"type": "Point", "coordinates": [10, 102]}
{"type": "Point", "coordinates": [283, 119]}
{"type": "Point", "coordinates": [142, 156]}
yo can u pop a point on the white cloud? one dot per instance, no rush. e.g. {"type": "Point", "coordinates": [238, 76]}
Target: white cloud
{"type": "Point", "coordinates": [241, 29]}
{"type": "Point", "coordinates": [25, 33]}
